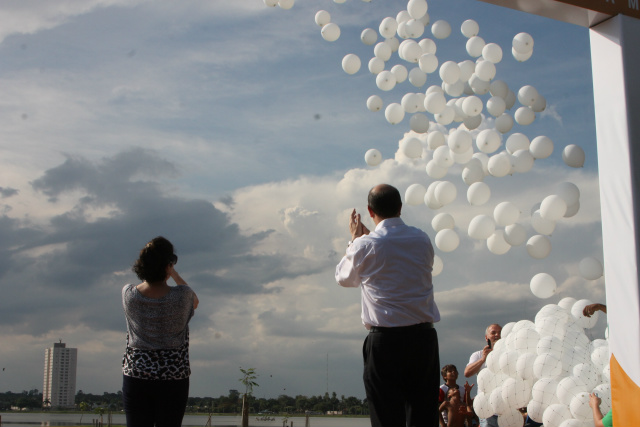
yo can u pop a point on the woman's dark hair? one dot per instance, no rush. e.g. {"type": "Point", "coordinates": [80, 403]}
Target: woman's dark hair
{"type": "Point", "coordinates": [154, 258]}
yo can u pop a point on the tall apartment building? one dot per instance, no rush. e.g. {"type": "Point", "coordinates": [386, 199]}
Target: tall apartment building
{"type": "Point", "coordinates": [60, 375]}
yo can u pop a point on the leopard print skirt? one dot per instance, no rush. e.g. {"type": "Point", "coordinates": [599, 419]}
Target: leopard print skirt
{"type": "Point", "coordinates": [170, 364]}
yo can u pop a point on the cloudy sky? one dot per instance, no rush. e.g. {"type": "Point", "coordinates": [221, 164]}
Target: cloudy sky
{"type": "Point", "coordinates": [231, 129]}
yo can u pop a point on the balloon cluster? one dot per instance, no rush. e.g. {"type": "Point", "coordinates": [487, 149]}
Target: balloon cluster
{"type": "Point", "coordinates": [548, 366]}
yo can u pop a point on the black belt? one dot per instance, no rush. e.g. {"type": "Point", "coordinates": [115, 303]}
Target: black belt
{"type": "Point", "coordinates": [397, 329]}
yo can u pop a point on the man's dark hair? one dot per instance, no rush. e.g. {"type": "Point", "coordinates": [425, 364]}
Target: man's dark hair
{"type": "Point", "coordinates": [384, 201]}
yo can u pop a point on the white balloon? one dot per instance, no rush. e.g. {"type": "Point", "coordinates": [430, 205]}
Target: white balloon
{"type": "Point", "coordinates": [446, 116]}
{"type": "Point", "coordinates": [351, 63]}
{"type": "Point", "coordinates": [523, 161]}
{"type": "Point", "coordinates": [472, 106]}
{"type": "Point", "coordinates": [522, 43]}
{"type": "Point", "coordinates": [590, 268]}
{"type": "Point", "coordinates": [455, 89]}
{"type": "Point", "coordinates": [474, 46]}
{"type": "Point", "coordinates": [540, 105]}
{"type": "Point", "coordinates": [445, 192]}
{"type": "Point", "coordinates": [400, 72]}
{"type": "Point", "coordinates": [472, 123]}
{"type": "Point", "coordinates": [414, 28]}
{"type": "Point", "coordinates": [556, 414]}
{"type": "Point", "coordinates": [497, 402]}
{"type": "Point", "coordinates": [547, 366]}
{"type": "Point", "coordinates": [382, 50]}
{"type": "Point", "coordinates": [566, 303]}
{"type": "Point", "coordinates": [435, 139]}
{"type": "Point", "coordinates": [496, 106]}
{"type": "Point", "coordinates": [411, 52]}
{"type": "Point", "coordinates": [403, 16]}
{"type": "Point", "coordinates": [435, 171]}
{"type": "Point", "coordinates": [417, 77]}
{"type": "Point", "coordinates": [569, 192]}
{"type": "Point", "coordinates": [538, 246]}
{"type": "Point", "coordinates": [570, 387]}
{"type": "Point", "coordinates": [535, 410]}
{"type": "Point", "coordinates": [517, 141]}
{"type": "Point", "coordinates": [524, 366]}
{"type": "Point", "coordinates": [504, 123]}
{"type": "Point", "coordinates": [527, 95]}
{"type": "Point", "coordinates": [543, 285]}
{"type": "Point", "coordinates": [450, 72]}
{"type": "Point", "coordinates": [441, 221]}
{"type": "Point", "coordinates": [428, 62]}
{"type": "Point", "coordinates": [428, 45]}
{"type": "Point", "coordinates": [478, 194]}
{"type": "Point", "coordinates": [414, 195]}
{"type": "Point", "coordinates": [600, 357]}
{"type": "Point", "coordinates": [271, 3]}
{"type": "Point", "coordinates": [394, 113]}
{"type": "Point", "coordinates": [481, 405]}
{"type": "Point", "coordinates": [481, 227]}
{"type": "Point", "coordinates": [499, 88]}
{"type": "Point", "coordinates": [542, 225]}
{"type": "Point", "coordinates": [374, 103]}
{"type": "Point", "coordinates": [541, 147]}
{"type": "Point", "coordinates": [412, 148]}
{"type": "Point", "coordinates": [417, 8]}
{"type": "Point", "coordinates": [430, 198]}
{"type": "Point", "coordinates": [486, 70]}
{"type": "Point", "coordinates": [488, 141]}
{"type": "Point", "coordinates": [447, 240]}
{"type": "Point", "coordinates": [587, 373]}
{"type": "Point", "coordinates": [460, 141]}
{"type": "Point", "coordinates": [544, 391]}
{"type": "Point", "coordinates": [492, 52]}
{"type": "Point", "coordinates": [469, 28]}
{"type": "Point", "coordinates": [388, 27]}
{"type": "Point", "coordinates": [373, 157]}
{"type": "Point", "coordinates": [435, 102]}
{"type": "Point", "coordinates": [553, 207]}
{"type": "Point", "coordinates": [515, 234]}
{"type": "Point", "coordinates": [506, 213]}
{"type": "Point", "coordinates": [472, 172]}
{"type": "Point", "coordinates": [442, 156]}
{"type": "Point", "coordinates": [520, 57]}
{"type": "Point", "coordinates": [322, 18]}
{"type": "Point", "coordinates": [438, 266]}
{"type": "Point", "coordinates": [410, 102]}
{"type": "Point", "coordinates": [419, 123]}
{"type": "Point", "coordinates": [330, 32]}
{"type": "Point", "coordinates": [524, 116]}
{"type": "Point", "coordinates": [286, 4]}
{"type": "Point", "coordinates": [376, 66]}
{"type": "Point", "coordinates": [385, 80]}
{"type": "Point", "coordinates": [573, 156]}
{"type": "Point", "coordinates": [369, 36]}
{"type": "Point", "coordinates": [467, 68]}
{"type": "Point", "coordinates": [572, 210]}
{"type": "Point", "coordinates": [499, 164]}
{"type": "Point", "coordinates": [577, 312]}
{"type": "Point", "coordinates": [441, 29]}
{"type": "Point", "coordinates": [580, 408]}
{"type": "Point", "coordinates": [497, 244]}
{"type": "Point", "coordinates": [516, 392]}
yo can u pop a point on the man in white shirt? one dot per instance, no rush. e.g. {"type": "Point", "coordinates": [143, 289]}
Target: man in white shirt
{"type": "Point", "coordinates": [478, 361]}
{"type": "Point", "coordinates": [392, 266]}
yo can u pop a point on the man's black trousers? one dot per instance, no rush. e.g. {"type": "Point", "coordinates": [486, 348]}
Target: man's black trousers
{"type": "Point", "coordinates": [402, 376]}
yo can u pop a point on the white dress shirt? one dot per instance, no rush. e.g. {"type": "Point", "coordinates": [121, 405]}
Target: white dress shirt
{"type": "Point", "coordinates": [393, 265]}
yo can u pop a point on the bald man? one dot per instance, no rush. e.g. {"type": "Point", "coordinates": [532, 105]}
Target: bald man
{"type": "Point", "coordinates": [392, 267]}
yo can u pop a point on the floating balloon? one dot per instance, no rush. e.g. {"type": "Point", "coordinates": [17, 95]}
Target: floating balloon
{"type": "Point", "coordinates": [522, 43]}
{"type": "Point", "coordinates": [569, 193]}
{"type": "Point", "coordinates": [527, 95]}
{"type": "Point", "coordinates": [442, 156]}
{"type": "Point", "coordinates": [330, 32]}
{"type": "Point", "coordinates": [488, 141]}
{"type": "Point", "coordinates": [524, 116]}
{"type": "Point", "coordinates": [351, 63]}
{"type": "Point", "coordinates": [474, 46]}
{"type": "Point", "coordinates": [435, 139]}
{"type": "Point", "coordinates": [386, 80]}
{"type": "Point", "coordinates": [417, 8]}
{"type": "Point", "coordinates": [539, 246]}
{"type": "Point", "coordinates": [322, 18]}
{"type": "Point", "coordinates": [445, 192]}
{"type": "Point", "coordinates": [497, 244]}
{"type": "Point", "coordinates": [412, 148]}
{"type": "Point", "coordinates": [486, 70]}
{"type": "Point", "coordinates": [504, 122]}
{"type": "Point", "coordinates": [500, 164]}
{"type": "Point", "coordinates": [553, 207]}
{"type": "Point", "coordinates": [515, 234]}
{"type": "Point", "coordinates": [472, 172]}
{"type": "Point", "coordinates": [467, 68]}
{"type": "Point", "coordinates": [438, 266]}
{"type": "Point", "coordinates": [506, 213]}
{"type": "Point", "coordinates": [441, 29]}
{"type": "Point", "coordinates": [417, 77]}
{"type": "Point", "coordinates": [450, 72]}
{"type": "Point", "coordinates": [441, 221]}
{"type": "Point", "coordinates": [523, 161]}
{"type": "Point", "coordinates": [472, 106]}
{"type": "Point", "coordinates": [382, 50]}
{"type": "Point", "coordinates": [459, 141]}
{"type": "Point", "coordinates": [469, 28]}
{"type": "Point", "coordinates": [576, 311]}
{"type": "Point", "coordinates": [541, 147]}
{"type": "Point", "coordinates": [419, 123]}
{"type": "Point", "coordinates": [573, 156]}
{"type": "Point", "coordinates": [388, 27]}
{"type": "Point", "coordinates": [271, 3]}
{"type": "Point", "coordinates": [542, 225]}
{"type": "Point", "coordinates": [492, 52]}
{"type": "Point", "coordinates": [521, 57]}
{"type": "Point", "coordinates": [376, 66]}
{"type": "Point", "coordinates": [446, 116]}
{"type": "Point", "coordinates": [286, 4]}
{"type": "Point", "coordinates": [373, 157]}
{"type": "Point", "coordinates": [590, 268]}
{"type": "Point", "coordinates": [374, 103]}
{"type": "Point", "coordinates": [496, 106]}
{"type": "Point", "coordinates": [369, 36]}
{"type": "Point", "coordinates": [543, 285]}
{"type": "Point", "coordinates": [394, 113]}
{"type": "Point", "coordinates": [447, 240]}
{"type": "Point", "coordinates": [400, 72]}
{"type": "Point", "coordinates": [414, 195]}
{"type": "Point", "coordinates": [481, 227]}
{"type": "Point", "coordinates": [478, 194]}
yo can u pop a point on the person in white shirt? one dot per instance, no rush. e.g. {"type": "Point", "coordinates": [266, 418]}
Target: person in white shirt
{"type": "Point", "coordinates": [392, 266]}
{"type": "Point", "coordinates": [478, 361]}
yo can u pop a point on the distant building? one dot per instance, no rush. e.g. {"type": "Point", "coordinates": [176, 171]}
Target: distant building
{"type": "Point", "coordinates": [59, 388]}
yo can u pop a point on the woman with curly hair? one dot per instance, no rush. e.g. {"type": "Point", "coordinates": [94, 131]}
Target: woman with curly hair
{"type": "Point", "coordinates": [155, 365]}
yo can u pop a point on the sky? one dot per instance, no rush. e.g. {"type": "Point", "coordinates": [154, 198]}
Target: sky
{"type": "Point", "coordinates": [231, 129]}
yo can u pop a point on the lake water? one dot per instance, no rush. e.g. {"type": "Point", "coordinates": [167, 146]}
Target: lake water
{"type": "Point", "coordinates": [47, 419]}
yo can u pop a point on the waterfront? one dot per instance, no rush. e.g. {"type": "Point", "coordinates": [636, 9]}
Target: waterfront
{"type": "Point", "coordinates": [10, 419]}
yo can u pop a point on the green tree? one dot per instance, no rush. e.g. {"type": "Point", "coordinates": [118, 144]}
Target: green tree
{"type": "Point", "coordinates": [248, 380]}
{"type": "Point", "coordinates": [83, 406]}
